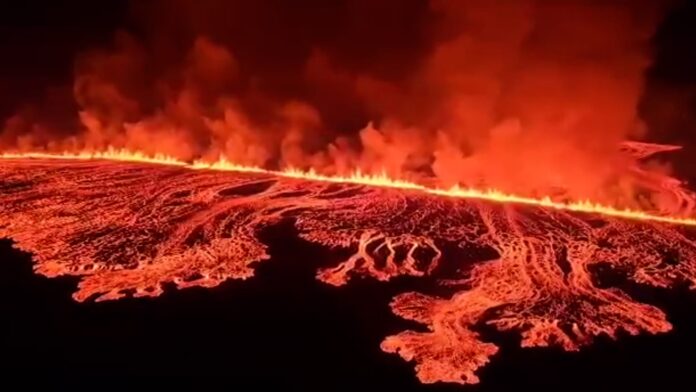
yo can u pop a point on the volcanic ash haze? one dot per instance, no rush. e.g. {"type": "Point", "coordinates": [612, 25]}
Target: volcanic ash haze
{"type": "Point", "coordinates": [529, 97]}
{"type": "Point", "coordinates": [534, 98]}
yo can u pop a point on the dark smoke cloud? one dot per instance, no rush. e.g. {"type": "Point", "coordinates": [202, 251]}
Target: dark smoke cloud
{"type": "Point", "coordinates": [519, 95]}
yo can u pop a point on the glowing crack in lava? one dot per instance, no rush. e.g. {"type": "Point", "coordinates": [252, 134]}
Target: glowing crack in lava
{"type": "Point", "coordinates": [128, 225]}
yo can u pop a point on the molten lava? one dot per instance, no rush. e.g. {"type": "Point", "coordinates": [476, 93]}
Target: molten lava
{"type": "Point", "coordinates": [357, 177]}
{"type": "Point", "coordinates": [126, 223]}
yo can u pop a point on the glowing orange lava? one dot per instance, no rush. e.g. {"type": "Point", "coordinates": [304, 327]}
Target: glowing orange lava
{"type": "Point", "coordinates": [126, 223]}
{"type": "Point", "coordinates": [358, 177]}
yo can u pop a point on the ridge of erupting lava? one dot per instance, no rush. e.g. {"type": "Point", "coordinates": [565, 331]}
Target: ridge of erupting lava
{"type": "Point", "coordinates": [357, 177]}
{"type": "Point", "coordinates": [126, 226]}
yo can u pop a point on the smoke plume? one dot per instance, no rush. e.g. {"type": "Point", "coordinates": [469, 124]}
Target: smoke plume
{"type": "Point", "coordinates": [524, 96]}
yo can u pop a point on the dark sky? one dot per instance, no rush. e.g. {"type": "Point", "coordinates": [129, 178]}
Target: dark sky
{"type": "Point", "coordinates": [673, 71]}
{"type": "Point", "coordinates": [39, 41]}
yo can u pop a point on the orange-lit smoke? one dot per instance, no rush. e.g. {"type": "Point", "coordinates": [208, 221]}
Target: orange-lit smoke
{"type": "Point", "coordinates": [530, 97]}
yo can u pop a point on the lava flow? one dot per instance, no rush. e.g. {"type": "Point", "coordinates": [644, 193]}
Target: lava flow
{"type": "Point", "coordinates": [127, 224]}
{"type": "Point", "coordinates": [357, 177]}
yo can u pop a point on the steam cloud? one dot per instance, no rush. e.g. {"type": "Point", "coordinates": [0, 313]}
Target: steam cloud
{"type": "Point", "coordinates": [525, 96]}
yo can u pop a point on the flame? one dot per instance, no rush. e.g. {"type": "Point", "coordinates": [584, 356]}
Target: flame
{"type": "Point", "coordinates": [357, 177]}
